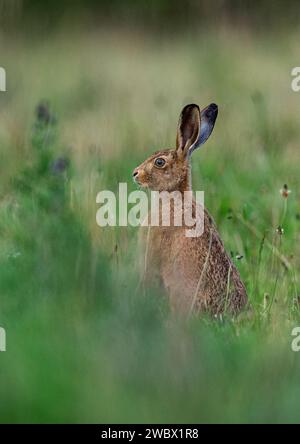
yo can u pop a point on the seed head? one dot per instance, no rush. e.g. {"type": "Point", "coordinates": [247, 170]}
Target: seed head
{"type": "Point", "coordinates": [285, 191]}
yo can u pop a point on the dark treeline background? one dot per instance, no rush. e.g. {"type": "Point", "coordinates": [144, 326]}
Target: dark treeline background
{"type": "Point", "coordinates": [162, 14]}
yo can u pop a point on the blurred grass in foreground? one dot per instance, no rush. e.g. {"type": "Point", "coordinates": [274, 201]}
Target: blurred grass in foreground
{"type": "Point", "coordinates": [82, 344]}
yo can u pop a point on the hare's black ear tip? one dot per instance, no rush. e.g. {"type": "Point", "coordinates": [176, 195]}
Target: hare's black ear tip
{"type": "Point", "coordinates": [214, 106]}
{"type": "Point", "coordinates": [190, 107]}
{"type": "Point", "coordinates": [212, 111]}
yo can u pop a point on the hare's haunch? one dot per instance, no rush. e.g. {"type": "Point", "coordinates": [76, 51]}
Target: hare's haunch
{"type": "Point", "coordinates": [196, 272]}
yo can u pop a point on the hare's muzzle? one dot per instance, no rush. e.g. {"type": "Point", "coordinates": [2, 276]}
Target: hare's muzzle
{"type": "Point", "coordinates": [139, 176]}
{"type": "Point", "coordinates": [135, 174]}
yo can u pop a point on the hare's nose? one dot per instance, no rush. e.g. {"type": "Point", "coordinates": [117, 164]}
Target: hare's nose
{"type": "Point", "coordinates": [135, 173]}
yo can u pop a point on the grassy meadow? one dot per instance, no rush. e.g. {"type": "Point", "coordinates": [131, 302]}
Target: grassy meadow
{"type": "Point", "coordinates": [82, 109]}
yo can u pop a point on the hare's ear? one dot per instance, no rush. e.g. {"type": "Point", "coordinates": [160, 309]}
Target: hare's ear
{"type": "Point", "coordinates": [208, 118]}
{"type": "Point", "coordinates": [188, 130]}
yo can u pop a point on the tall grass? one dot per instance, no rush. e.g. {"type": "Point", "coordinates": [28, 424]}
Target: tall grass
{"type": "Point", "coordinates": [82, 343]}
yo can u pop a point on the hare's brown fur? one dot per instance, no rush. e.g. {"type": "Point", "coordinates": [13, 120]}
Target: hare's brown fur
{"type": "Point", "coordinates": [197, 272]}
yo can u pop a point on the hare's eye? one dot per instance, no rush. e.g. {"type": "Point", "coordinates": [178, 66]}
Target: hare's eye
{"type": "Point", "coordinates": [159, 162]}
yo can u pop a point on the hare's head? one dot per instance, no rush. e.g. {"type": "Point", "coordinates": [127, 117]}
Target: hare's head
{"type": "Point", "coordinates": [169, 170]}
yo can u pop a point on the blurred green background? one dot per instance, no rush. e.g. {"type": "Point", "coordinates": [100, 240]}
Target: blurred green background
{"type": "Point", "coordinates": [93, 88]}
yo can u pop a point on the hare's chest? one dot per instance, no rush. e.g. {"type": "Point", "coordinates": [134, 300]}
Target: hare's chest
{"type": "Point", "coordinates": [181, 261]}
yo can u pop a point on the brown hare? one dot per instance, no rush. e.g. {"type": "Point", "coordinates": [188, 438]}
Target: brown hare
{"type": "Point", "coordinates": [196, 272]}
